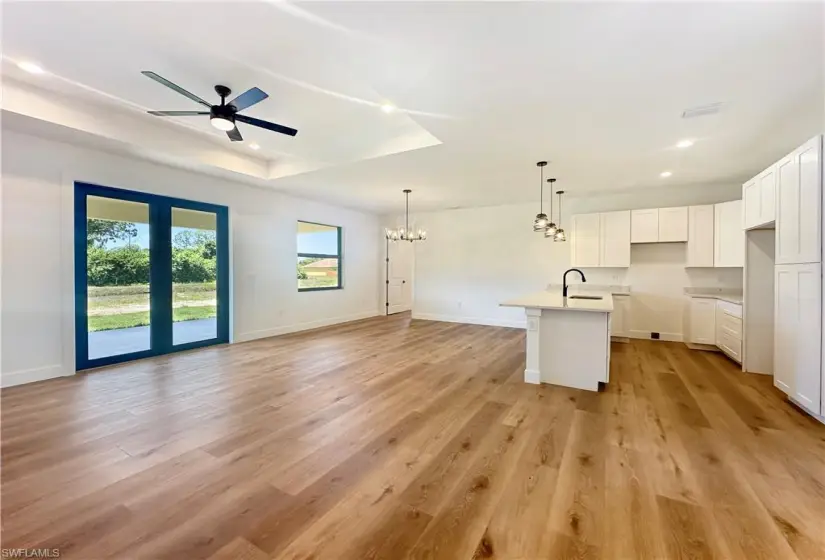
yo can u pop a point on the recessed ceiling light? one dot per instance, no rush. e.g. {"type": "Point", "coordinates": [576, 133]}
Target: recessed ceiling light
{"type": "Point", "coordinates": [387, 108]}
{"type": "Point", "coordinates": [254, 146]}
{"type": "Point", "coordinates": [684, 143]}
{"type": "Point", "coordinates": [30, 67]}
{"type": "Point", "coordinates": [665, 174]}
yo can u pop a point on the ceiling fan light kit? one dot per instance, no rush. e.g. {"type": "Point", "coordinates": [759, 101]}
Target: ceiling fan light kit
{"type": "Point", "coordinates": [223, 116]}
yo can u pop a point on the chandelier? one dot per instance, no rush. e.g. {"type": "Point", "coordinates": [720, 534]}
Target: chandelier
{"type": "Point", "coordinates": [406, 233]}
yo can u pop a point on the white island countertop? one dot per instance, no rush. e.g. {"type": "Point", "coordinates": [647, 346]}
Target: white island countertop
{"type": "Point", "coordinates": [554, 300]}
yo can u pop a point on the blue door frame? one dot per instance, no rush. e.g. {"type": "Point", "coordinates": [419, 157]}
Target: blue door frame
{"type": "Point", "coordinates": [160, 273]}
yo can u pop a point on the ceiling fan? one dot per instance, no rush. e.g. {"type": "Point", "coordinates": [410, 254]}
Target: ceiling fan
{"type": "Point", "coordinates": [223, 116]}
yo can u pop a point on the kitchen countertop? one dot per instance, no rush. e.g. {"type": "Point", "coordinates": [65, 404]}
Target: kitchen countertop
{"type": "Point", "coordinates": [588, 288]}
{"type": "Point", "coordinates": [554, 300]}
{"type": "Point", "coordinates": [711, 293]}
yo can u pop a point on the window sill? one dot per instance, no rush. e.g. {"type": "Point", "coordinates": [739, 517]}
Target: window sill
{"type": "Point", "coordinates": [322, 289]}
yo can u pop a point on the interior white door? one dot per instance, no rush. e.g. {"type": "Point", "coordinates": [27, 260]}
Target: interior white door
{"type": "Point", "coordinates": [399, 276]}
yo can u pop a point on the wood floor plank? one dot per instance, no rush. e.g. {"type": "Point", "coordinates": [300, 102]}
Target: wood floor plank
{"type": "Point", "coordinates": [391, 438]}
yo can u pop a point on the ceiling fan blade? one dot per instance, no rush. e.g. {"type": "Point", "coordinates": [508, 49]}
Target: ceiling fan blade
{"type": "Point", "coordinates": [249, 98]}
{"type": "Point", "coordinates": [267, 125]}
{"type": "Point", "coordinates": [177, 88]}
{"type": "Point", "coordinates": [178, 113]}
{"type": "Point", "coordinates": [235, 135]}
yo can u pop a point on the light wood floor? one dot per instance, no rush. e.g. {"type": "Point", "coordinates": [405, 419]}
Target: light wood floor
{"type": "Point", "coordinates": [395, 439]}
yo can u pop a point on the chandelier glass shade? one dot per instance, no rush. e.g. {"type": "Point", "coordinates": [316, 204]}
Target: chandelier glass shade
{"type": "Point", "coordinates": [406, 232]}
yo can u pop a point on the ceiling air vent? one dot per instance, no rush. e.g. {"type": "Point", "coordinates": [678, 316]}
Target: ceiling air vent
{"type": "Point", "coordinates": [702, 110]}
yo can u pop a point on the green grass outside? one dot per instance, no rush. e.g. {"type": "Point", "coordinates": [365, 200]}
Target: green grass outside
{"type": "Point", "coordinates": [318, 282]}
{"type": "Point", "coordinates": [104, 297]}
{"type": "Point", "coordinates": [141, 318]}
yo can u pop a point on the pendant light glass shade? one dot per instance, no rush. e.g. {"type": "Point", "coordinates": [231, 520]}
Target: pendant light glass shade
{"type": "Point", "coordinates": [406, 232]}
{"type": "Point", "coordinates": [560, 235]}
{"type": "Point", "coordinates": [541, 223]}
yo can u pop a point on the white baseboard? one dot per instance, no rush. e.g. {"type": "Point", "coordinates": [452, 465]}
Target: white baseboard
{"type": "Point", "coordinates": [286, 329]}
{"type": "Point", "coordinates": [532, 376]}
{"type": "Point", "coordinates": [470, 320]}
{"type": "Point", "coordinates": [815, 416]}
{"type": "Point", "coordinates": [668, 337]}
{"type": "Point", "coordinates": [12, 378]}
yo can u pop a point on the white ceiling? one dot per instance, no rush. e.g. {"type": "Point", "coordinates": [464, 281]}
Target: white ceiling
{"type": "Point", "coordinates": [484, 89]}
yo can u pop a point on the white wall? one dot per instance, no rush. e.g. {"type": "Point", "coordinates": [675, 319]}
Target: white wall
{"type": "Point", "coordinates": [475, 258]}
{"type": "Point", "coordinates": [37, 244]}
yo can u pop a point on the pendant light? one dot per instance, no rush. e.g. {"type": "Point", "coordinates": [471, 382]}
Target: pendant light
{"type": "Point", "coordinates": [406, 233]}
{"type": "Point", "coordinates": [541, 222]}
{"type": "Point", "coordinates": [550, 231]}
{"type": "Point", "coordinates": [560, 235]}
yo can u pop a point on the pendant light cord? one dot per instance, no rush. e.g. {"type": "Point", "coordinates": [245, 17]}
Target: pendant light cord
{"type": "Point", "coordinates": [541, 192]}
{"type": "Point", "coordinates": [407, 213]}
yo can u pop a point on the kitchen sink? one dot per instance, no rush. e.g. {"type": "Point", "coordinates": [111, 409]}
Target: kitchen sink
{"type": "Point", "coordinates": [585, 297]}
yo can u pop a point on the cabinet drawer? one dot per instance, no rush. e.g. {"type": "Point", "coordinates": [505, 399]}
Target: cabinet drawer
{"type": "Point", "coordinates": [730, 308]}
{"type": "Point", "coordinates": [731, 346]}
{"type": "Point", "coordinates": [731, 325]}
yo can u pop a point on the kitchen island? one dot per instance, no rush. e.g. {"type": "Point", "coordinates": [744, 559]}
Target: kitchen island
{"type": "Point", "coordinates": [568, 338]}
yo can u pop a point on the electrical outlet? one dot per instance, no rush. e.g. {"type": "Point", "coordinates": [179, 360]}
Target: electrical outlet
{"type": "Point", "coordinates": [654, 335]}
{"type": "Point", "coordinates": [460, 303]}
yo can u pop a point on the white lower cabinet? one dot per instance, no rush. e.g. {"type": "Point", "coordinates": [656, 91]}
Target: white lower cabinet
{"type": "Point", "coordinates": [798, 333]}
{"type": "Point", "coordinates": [702, 324]}
{"type": "Point", "coordinates": [620, 318]}
{"type": "Point", "coordinates": [729, 329]}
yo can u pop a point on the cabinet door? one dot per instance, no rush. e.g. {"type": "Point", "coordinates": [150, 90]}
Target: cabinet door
{"type": "Point", "coordinates": [729, 236]}
{"type": "Point", "coordinates": [620, 319]}
{"type": "Point", "coordinates": [673, 224]}
{"type": "Point", "coordinates": [700, 236]}
{"type": "Point", "coordinates": [752, 204]}
{"type": "Point", "coordinates": [703, 321]}
{"type": "Point", "coordinates": [798, 211]}
{"type": "Point", "coordinates": [586, 239]}
{"type": "Point", "coordinates": [798, 333]}
{"type": "Point", "coordinates": [614, 240]}
{"type": "Point", "coordinates": [767, 196]}
{"type": "Point", "coordinates": [809, 337]}
{"type": "Point", "coordinates": [644, 226]}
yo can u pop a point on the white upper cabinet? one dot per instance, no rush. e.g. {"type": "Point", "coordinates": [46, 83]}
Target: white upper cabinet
{"type": "Point", "coordinates": [644, 226]}
{"type": "Point", "coordinates": [798, 212]}
{"type": "Point", "coordinates": [729, 235]}
{"type": "Point", "coordinates": [759, 199]}
{"type": "Point", "coordinates": [601, 240]}
{"type": "Point", "coordinates": [798, 333]}
{"type": "Point", "coordinates": [673, 224]}
{"type": "Point", "coordinates": [700, 236]}
{"type": "Point", "coordinates": [586, 240]}
{"type": "Point", "coordinates": [614, 241]}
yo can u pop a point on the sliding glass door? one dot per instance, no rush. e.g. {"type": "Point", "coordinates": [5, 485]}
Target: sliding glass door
{"type": "Point", "coordinates": [151, 275]}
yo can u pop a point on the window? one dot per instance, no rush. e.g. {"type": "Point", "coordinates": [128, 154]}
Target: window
{"type": "Point", "coordinates": [319, 257]}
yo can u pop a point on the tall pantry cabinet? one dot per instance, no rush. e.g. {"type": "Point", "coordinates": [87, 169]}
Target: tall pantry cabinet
{"type": "Point", "coordinates": [798, 296]}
